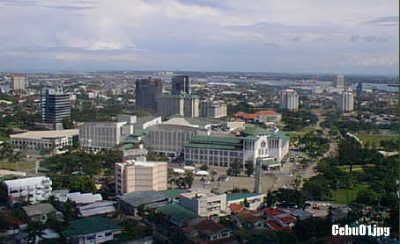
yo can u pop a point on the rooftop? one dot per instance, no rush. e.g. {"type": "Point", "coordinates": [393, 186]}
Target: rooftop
{"type": "Point", "coordinates": [216, 142]}
{"type": "Point", "coordinates": [135, 199]}
{"type": "Point", "coordinates": [43, 134]}
{"type": "Point", "coordinates": [26, 181]}
{"type": "Point", "coordinates": [176, 211]}
{"type": "Point", "coordinates": [174, 193]}
{"type": "Point", "coordinates": [240, 195]}
{"type": "Point", "coordinates": [89, 225]}
{"type": "Point", "coordinates": [38, 209]}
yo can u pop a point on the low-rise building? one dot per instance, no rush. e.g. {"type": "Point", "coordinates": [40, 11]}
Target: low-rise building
{"type": "Point", "coordinates": [130, 202]}
{"type": "Point", "coordinates": [253, 200]}
{"type": "Point", "coordinates": [41, 212]}
{"type": "Point", "coordinates": [97, 208]}
{"type": "Point", "coordinates": [171, 136]}
{"type": "Point", "coordinates": [221, 151]}
{"type": "Point", "coordinates": [31, 189]}
{"type": "Point", "coordinates": [95, 136]}
{"type": "Point", "coordinates": [204, 203]}
{"type": "Point", "coordinates": [45, 140]}
{"type": "Point", "coordinates": [91, 230]}
{"type": "Point", "coordinates": [207, 231]}
{"type": "Point", "coordinates": [131, 176]}
{"type": "Point", "coordinates": [259, 116]}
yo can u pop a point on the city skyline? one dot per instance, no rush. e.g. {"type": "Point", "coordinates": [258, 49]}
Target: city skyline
{"type": "Point", "coordinates": [359, 37]}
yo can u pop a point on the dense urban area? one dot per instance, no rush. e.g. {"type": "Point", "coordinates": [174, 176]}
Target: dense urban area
{"type": "Point", "coordinates": [197, 157]}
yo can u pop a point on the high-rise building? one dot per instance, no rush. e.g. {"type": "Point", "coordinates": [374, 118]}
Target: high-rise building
{"type": "Point", "coordinates": [359, 88]}
{"type": "Point", "coordinates": [183, 105]}
{"type": "Point", "coordinates": [131, 176]}
{"type": "Point", "coordinates": [55, 107]}
{"type": "Point", "coordinates": [339, 84]}
{"type": "Point", "coordinates": [147, 93]}
{"type": "Point", "coordinates": [213, 109]}
{"type": "Point", "coordinates": [18, 84]}
{"type": "Point", "coordinates": [180, 85]}
{"type": "Point", "coordinates": [289, 100]}
{"type": "Point", "coordinates": [346, 101]}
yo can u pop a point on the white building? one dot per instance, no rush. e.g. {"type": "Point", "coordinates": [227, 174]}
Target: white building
{"type": "Point", "coordinates": [204, 203]}
{"type": "Point", "coordinates": [47, 140]}
{"type": "Point", "coordinates": [171, 136]}
{"type": "Point", "coordinates": [289, 100]}
{"type": "Point", "coordinates": [131, 176]}
{"type": "Point", "coordinates": [213, 109]}
{"type": "Point", "coordinates": [221, 151]}
{"type": "Point", "coordinates": [95, 136]}
{"type": "Point", "coordinates": [339, 83]}
{"type": "Point", "coordinates": [183, 105]}
{"type": "Point", "coordinates": [32, 189]}
{"type": "Point", "coordinates": [18, 84]}
{"type": "Point", "coordinates": [346, 101]}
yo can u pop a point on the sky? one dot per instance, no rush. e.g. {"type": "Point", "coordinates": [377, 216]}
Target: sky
{"type": "Point", "coordinates": [295, 36]}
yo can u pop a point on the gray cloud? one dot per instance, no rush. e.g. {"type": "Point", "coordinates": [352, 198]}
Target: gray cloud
{"type": "Point", "coordinates": [385, 21]}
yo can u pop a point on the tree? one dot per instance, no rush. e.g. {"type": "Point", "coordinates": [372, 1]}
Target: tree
{"type": "Point", "coordinates": [203, 167]}
{"type": "Point", "coordinates": [67, 123]}
{"type": "Point", "coordinates": [213, 174]}
{"type": "Point", "coordinates": [35, 231]}
{"type": "Point", "coordinates": [235, 168]}
{"type": "Point", "coordinates": [249, 168]}
{"type": "Point", "coordinates": [246, 203]}
{"type": "Point", "coordinates": [189, 179]}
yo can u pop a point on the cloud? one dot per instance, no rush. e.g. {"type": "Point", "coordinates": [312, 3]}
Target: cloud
{"type": "Point", "coordinates": [266, 35]}
{"type": "Point", "coordinates": [385, 21]}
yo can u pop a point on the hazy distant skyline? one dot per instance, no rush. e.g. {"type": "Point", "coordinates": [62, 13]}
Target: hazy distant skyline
{"type": "Point", "coordinates": [297, 36]}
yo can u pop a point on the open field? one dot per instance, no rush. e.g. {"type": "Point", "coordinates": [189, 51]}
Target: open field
{"type": "Point", "coordinates": [356, 167]}
{"type": "Point", "coordinates": [28, 167]}
{"type": "Point", "coordinates": [367, 138]}
{"type": "Point", "coordinates": [345, 196]}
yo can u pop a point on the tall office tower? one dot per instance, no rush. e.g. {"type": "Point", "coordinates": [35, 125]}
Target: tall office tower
{"type": "Point", "coordinates": [55, 107]}
{"type": "Point", "coordinates": [18, 84]}
{"type": "Point", "coordinates": [180, 85]}
{"type": "Point", "coordinates": [346, 101]}
{"type": "Point", "coordinates": [134, 176]}
{"type": "Point", "coordinates": [147, 93]}
{"type": "Point", "coordinates": [339, 84]}
{"type": "Point", "coordinates": [359, 89]}
{"type": "Point", "coordinates": [289, 100]}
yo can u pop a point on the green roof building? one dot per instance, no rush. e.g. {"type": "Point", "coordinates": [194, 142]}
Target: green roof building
{"type": "Point", "coordinates": [91, 230]}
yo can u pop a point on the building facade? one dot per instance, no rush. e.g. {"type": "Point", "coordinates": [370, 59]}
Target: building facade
{"type": "Point", "coordinates": [45, 140]}
{"type": "Point", "coordinates": [18, 84]}
{"type": "Point", "coordinates": [204, 204]}
{"type": "Point", "coordinates": [131, 176]}
{"type": "Point", "coordinates": [94, 136]}
{"type": "Point", "coordinates": [183, 105]}
{"type": "Point", "coordinates": [289, 100]}
{"type": "Point", "coordinates": [32, 189]}
{"type": "Point", "coordinates": [180, 84]}
{"type": "Point", "coordinates": [147, 93]}
{"type": "Point", "coordinates": [55, 107]}
{"type": "Point", "coordinates": [346, 101]}
{"type": "Point", "coordinates": [213, 109]}
{"type": "Point", "coordinates": [221, 151]}
{"type": "Point", "coordinates": [170, 138]}
{"type": "Point", "coordinates": [339, 82]}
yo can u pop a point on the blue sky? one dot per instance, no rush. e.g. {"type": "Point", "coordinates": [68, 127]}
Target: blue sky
{"type": "Point", "coordinates": [341, 36]}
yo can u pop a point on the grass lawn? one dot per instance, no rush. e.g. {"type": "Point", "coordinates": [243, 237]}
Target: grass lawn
{"type": "Point", "coordinates": [356, 167]}
{"type": "Point", "coordinates": [374, 138]}
{"type": "Point", "coordinates": [20, 166]}
{"type": "Point", "coordinates": [345, 196]}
